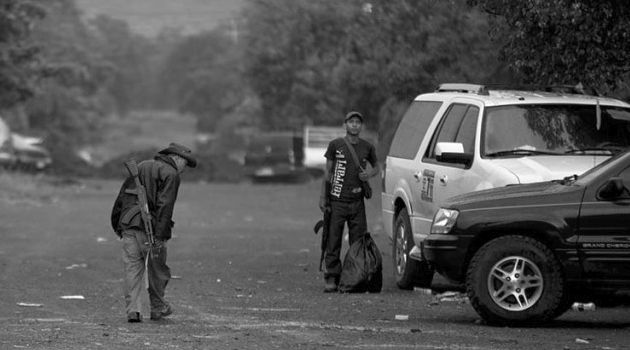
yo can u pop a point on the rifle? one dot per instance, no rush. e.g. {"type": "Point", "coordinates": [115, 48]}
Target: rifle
{"type": "Point", "coordinates": [140, 191]}
{"type": "Point", "coordinates": [324, 224]}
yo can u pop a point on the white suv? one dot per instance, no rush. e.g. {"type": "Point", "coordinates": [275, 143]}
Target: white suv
{"type": "Point", "coordinates": [465, 137]}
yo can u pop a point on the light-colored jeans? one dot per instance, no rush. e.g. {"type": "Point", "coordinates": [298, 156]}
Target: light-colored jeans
{"type": "Point", "coordinates": [135, 250]}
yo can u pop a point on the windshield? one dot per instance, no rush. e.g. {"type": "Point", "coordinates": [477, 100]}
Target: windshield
{"type": "Point", "coordinates": [602, 167]}
{"type": "Point", "coordinates": [519, 130]}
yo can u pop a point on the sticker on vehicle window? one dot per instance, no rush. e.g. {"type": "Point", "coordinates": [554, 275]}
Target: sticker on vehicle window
{"type": "Point", "coordinates": [428, 179]}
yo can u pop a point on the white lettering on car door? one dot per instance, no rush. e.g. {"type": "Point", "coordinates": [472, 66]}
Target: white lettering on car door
{"type": "Point", "coordinates": [428, 180]}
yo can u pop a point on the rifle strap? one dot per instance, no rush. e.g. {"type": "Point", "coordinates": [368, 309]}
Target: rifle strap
{"type": "Point", "coordinates": [353, 154]}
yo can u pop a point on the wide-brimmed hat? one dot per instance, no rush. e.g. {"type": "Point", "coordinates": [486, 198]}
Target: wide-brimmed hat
{"type": "Point", "coordinates": [182, 151]}
{"type": "Point", "coordinates": [353, 114]}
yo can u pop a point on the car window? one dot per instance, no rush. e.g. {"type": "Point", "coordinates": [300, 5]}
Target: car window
{"type": "Point", "coordinates": [556, 129]}
{"type": "Point", "coordinates": [602, 168]}
{"type": "Point", "coordinates": [5, 133]}
{"type": "Point", "coordinates": [466, 133]}
{"type": "Point", "coordinates": [458, 125]}
{"type": "Point", "coordinates": [412, 128]}
{"type": "Point", "coordinates": [625, 176]}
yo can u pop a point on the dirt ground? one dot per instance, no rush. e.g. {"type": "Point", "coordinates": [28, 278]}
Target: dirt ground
{"type": "Point", "coordinates": [245, 265]}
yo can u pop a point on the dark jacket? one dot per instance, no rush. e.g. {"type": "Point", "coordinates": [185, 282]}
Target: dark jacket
{"type": "Point", "coordinates": [161, 181]}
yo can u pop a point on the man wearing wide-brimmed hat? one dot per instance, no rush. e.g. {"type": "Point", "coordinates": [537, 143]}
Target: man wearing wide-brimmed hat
{"type": "Point", "coordinates": [160, 177]}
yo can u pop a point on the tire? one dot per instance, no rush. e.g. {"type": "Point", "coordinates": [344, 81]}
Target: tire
{"type": "Point", "coordinates": [564, 305]}
{"type": "Point", "coordinates": [495, 287]}
{"type": "Point", "coordinates": [408, 272]}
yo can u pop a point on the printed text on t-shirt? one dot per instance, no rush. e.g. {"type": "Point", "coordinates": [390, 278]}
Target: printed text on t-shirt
{"type": "Point", "coordinates": [339, 174]}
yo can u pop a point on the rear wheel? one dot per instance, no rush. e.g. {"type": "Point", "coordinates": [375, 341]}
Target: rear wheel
{"type": "Point", "coordinates": [516, 280]}
{"type": "Point", "coordinates": [408, 272]}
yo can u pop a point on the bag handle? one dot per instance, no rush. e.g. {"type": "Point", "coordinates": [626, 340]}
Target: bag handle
{"type": "Point", "coordinates": [355, 158]}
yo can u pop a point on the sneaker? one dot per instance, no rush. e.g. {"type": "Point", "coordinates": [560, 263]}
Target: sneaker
{"type": "Point", "coordinates": [331, 285]}
{"type": "Point", "coordinates": [134, 317]}
{"type": "Point", "coordinates": [157, 315]}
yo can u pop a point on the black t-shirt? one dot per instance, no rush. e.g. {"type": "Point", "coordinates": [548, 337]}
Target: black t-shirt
{"type": "Point", "coordinates": [344, 180]}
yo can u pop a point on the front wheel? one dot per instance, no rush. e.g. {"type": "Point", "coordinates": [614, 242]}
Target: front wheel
{"type": "Point", "coordinates": [408, 272]}
{"type": "Point", "coordinates": [515, 280]}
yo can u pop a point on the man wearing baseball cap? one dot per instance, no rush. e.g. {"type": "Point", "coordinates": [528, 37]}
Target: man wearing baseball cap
{"type": "Point", "coordinates": [160, 177]}
{"type": "Point", "coordinates": [343, 191]}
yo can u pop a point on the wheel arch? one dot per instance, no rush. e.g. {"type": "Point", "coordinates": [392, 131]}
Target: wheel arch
{"type": "Point", "coordinates": [543, 232]}
{"type": "Point", "coordinates": [400, 204]}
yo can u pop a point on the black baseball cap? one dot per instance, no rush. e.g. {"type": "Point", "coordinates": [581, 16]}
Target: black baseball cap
{"type": "Point", "coordinates": [353, 114]}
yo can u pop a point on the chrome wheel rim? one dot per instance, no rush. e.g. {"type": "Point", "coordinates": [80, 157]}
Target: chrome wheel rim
{"type": "Point", "coordinates": [401, 250]}
{"type": "Point", "coordinates": [515, 283]}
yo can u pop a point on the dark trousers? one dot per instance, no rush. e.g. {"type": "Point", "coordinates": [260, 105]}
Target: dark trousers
{"type": "Point", "coordinates": [352, 213]}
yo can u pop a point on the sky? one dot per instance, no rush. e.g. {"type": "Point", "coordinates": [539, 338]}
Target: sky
{"type": "Point", "coordinates": [148, 17]}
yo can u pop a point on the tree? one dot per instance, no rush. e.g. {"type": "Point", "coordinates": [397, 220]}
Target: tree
{"type": "Point", "coordinates": [129, 57]}
{"type": "Point", "coordinates": [403, 48]}
{"type": "Point", "coordinates": [309, 61]}
{"type": "Point", "coordinates": [202, 76]}
{"type": "Point", "coordinates": [564, 41]}
{"type": "Point", "coordinates": [67, 102]}
{"type": "Point", "coordinates": [18, 57]}
{"type": "Point", "coordinates": [293, 52]}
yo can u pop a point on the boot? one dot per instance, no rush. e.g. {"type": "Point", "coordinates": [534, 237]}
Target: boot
{"type": "Point", "coordinates": [134, 317]}
{"type": "Point", "coordinates": [158, 315]}
{"type": "Point", "coordinates": [331, 284]}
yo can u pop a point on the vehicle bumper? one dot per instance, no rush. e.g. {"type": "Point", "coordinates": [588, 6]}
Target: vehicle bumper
{"type": "Point", "coordinates": [6, 158]}
{"type": "Point", "coordinates": [447, 254]}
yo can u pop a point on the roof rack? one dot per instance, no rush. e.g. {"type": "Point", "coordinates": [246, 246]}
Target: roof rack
{"type": "Point", "coordinates": [573, 89]}
{"type": "Point", "coordinates": [466, 88]}
{"type": "Point", "coordinates": [478, 89]}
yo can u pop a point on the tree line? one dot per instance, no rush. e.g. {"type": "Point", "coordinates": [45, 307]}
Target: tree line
{"type": "Point", "coordinates": [283, 64]}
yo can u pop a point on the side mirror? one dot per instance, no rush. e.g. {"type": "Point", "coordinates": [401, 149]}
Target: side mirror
{"type": "Point", "coordinates": [613, 188]}
{"type": "Point", "coordinates": [452, 152]}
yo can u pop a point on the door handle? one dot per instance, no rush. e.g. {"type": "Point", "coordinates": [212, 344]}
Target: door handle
{"type": "Point", "coordinates": [444, 179]}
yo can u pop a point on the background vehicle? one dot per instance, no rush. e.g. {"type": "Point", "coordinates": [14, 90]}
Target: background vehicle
{"type": "Point", "coordinates": [527, 252]}
{"type": "Point", "coordinates": [316, 140]}
{"type": "Point", "coordinates": [276, 157]}
{"type": "Point", "coordinates": [466, 137]}
{"type": "Point", "coordinates": [7, 154]}
{"type": "Point", "coordinates": [30, 154]}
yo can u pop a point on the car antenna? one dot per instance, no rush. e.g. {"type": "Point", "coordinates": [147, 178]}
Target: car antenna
{"type": "Point", "coordinates": [598, 114]}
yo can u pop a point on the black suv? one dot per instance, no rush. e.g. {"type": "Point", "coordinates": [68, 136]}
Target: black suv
{"type": "Point", "coordinates": [527, 252]}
